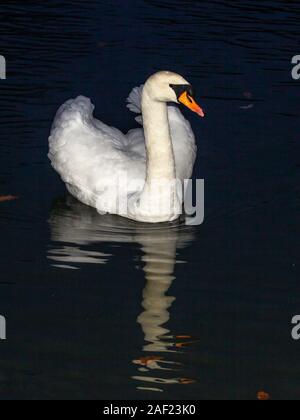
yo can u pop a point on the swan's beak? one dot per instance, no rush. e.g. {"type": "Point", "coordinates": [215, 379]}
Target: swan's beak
{"type": "Point", "coordinates": [190, 102]}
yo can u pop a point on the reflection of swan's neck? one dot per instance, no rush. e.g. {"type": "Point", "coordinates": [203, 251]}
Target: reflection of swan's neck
{"type": "Point", "coordinates": [160, 155]}
{"type": "Point", "coordinates": [159, 261]}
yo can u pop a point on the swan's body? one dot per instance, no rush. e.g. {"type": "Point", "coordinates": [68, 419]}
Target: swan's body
{"type": "Point", "coordinates": [99, 163]}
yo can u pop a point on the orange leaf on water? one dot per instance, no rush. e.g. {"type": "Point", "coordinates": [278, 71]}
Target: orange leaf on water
{"type": "Point", "coordinates": [4, 198]}
{"type": "Point", "coordinates": [183, 337]}
{"type": "Point", "coordinates": [263, 396]}
{"type": "Point", "coordinates": [181, 345]}
{"type": "Point", "coordinates": [186, 381]}
{"type": "Point", "coordinates": [145, 361]}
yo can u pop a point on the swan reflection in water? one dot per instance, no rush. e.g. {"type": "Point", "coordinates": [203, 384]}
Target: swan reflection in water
{"type": "Point", "coordinates": [75, 226]}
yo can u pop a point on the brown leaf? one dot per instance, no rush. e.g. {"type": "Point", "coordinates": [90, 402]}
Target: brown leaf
{"type": "Point", "coordinates": [183, 337]}
{"type": "Point", "coordinates": [186, 381]}
{"type": "Point", "coordinates": [4, 198]}
{"type": "Point", "coordinates": [263, 396]}
{"type": "Point", "coordinates": [145, 361]}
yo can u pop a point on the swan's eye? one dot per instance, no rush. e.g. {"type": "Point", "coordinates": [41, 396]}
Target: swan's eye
{"type": "Point", "coordinates": [190, 92]}
{"type": "Point", "coordinates": [180, 89]}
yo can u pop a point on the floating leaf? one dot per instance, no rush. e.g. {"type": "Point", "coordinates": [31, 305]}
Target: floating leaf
{"type": "Point", "coordinates": [263, 396]}
{"type": "Point", "coordinates": [4, 198]}
{"type": "Point", "coordinates": [181, 345]}
{"type": "Point", "coordinates": [186, 381]}
{"type": "Point", "coordinates": [183, 337]}
{"type": "Point", "coordinates": [145, 361]}
{"type": "Point", "coordinates": [185, 344]}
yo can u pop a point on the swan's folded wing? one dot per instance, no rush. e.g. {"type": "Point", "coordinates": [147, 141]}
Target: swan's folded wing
{"type": "Point", "coordinates": [89, 155]}
{"type": "Point", "coordinates": [134, 99]}
{"type": "Point", "coordinates": [134, 102]}
{"type": "Point", "coordinates": [136, 141]}
{"type": "Point", "coordinates": [79, 113]}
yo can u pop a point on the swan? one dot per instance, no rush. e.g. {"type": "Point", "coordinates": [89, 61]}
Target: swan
{"type": "Point", "coordinates": [134, 175]}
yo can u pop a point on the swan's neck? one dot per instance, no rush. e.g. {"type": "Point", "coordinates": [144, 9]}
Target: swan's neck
{"type": "Point", "coordinates": [158, 201]}
{"type": "Point", "coordinates": [160, 155]}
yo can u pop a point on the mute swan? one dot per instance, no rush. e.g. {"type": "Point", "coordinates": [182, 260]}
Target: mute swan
{"type": "Point", "coordinates": [129, 175]}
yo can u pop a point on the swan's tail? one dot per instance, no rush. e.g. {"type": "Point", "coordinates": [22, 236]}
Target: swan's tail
{"type": "Point", "coordinates": [134, 102]}
{"type": "Point", "coordinates": [71, 114]}
{"type": "Point", "coordinates": [73, 110]}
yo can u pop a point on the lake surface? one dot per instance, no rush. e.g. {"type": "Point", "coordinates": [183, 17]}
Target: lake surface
{"type": "Point", "coordinates": [98, 307]}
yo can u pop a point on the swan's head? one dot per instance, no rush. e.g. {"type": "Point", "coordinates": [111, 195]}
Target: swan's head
{"type": "Point", "coordinates": [166, 86]}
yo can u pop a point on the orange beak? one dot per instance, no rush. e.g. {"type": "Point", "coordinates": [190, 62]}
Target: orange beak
{"type": "Point", "coordinates": [189, 102]}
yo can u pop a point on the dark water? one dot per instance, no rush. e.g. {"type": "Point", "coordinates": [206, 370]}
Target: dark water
{"type": "Point", "coordinates": [99, 307]}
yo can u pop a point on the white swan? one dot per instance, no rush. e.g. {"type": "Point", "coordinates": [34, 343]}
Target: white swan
{"type": "Point", "coordinates": [130, 175]}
